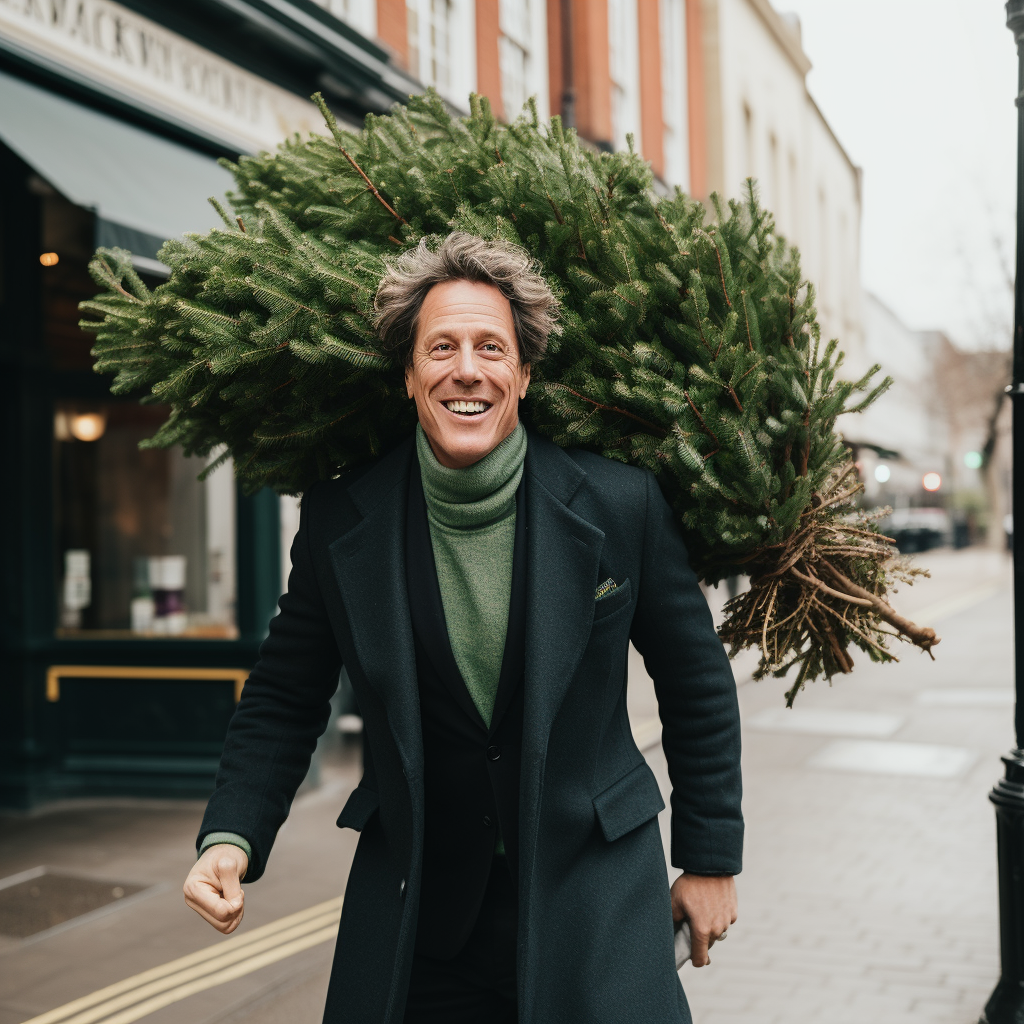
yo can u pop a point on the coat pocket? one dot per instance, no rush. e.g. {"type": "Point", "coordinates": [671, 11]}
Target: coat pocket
{"type": "Point", "coordinates": [362, 802]}
{"type": "Point", "coordinates": [613, 602]}
{"type": "Point", "coordinates": [628, 803]}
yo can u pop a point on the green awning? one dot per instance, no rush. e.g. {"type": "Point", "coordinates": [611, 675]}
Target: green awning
{"type": "Point", "coordinates": [144, 189]}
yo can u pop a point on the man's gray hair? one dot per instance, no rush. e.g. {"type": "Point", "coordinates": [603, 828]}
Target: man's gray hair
{"type": "Point", "coordinates": [464, 257]}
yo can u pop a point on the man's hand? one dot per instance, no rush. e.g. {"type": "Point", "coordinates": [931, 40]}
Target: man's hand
{"type": "Point", "coordinates": [709, 904]}
{"type": "Point", "coordinates": [213, 888]}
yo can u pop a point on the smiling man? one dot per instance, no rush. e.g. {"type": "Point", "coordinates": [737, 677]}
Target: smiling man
{"type": "Point", "coordinates": [482, 586]}
{"type": "Point", "coordinates": [465, 373]}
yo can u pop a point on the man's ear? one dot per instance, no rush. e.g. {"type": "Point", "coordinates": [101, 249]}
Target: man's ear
{"type": "Point", "coordinates": [408, 381]}
{"type": "Point", "coordinates": [524, 373]}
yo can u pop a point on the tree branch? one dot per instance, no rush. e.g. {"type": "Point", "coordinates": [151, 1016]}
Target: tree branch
{"type": "Point", "coordinates": [369, 184]}
{"type": "Point", "coordinates": [708, 430]}
{"type": "Point", "coordinates": [923, 636]}
{"type": "Point", "coordinates": [611, 408]}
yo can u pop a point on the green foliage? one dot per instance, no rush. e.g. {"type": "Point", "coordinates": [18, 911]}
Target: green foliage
{"type": "Point", "coordinates": [687, 346]}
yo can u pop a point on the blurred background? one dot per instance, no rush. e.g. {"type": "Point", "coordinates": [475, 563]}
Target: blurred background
{"type": "Point", "coordinates": [135, 596]}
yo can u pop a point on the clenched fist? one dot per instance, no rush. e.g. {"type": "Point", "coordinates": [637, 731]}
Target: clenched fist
{"type": "Point", "coordinates": [213, 888]}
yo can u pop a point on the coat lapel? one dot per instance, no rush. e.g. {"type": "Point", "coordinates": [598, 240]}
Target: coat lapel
{"type": "Point", "coordinates": [563, 553]}
{"type": "Point", "coordinates": [369, 565]}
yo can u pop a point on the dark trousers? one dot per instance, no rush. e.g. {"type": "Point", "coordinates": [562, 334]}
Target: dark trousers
{"type": "Point", "coordinates": [478, 985]}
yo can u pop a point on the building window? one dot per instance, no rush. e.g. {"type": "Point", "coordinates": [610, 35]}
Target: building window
{"type": "Point", "coordinates": [515, 55]}
{"type": "Point", "coordinates": [430, 42]}
{"type": "Point", "coordinates": [143, 547]}
{"type": "Point", "coordinates": [793, 226]}
{"type": "Point", "coordinates": [412, 22]}
{"type": "Point", "coordinates": [440, 43]}
{"type": "Point", "coordinates": [772, 197]}
{"type": "Point", "coordinates": [674, 92]}
{"type": "Point", "coordinates": [442, 47]}
{"type": "Point", "coordinates": [843, 284]}
{"type": "Point", "coordinates": [360, 14]}
{"type": "Point", "coordinates": [824, 261]}
{"type": "Point", "coordinates": [748, 170]}
{"type": "Point", "coordinates": [624, 65]}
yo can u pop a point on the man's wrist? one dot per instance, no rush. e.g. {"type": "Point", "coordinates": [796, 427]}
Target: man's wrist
{"type": "Point", "coordinates": [226, 839]}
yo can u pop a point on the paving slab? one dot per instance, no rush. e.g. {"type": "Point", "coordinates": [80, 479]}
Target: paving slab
{"type": "Point", "coordinates": [152, 843]}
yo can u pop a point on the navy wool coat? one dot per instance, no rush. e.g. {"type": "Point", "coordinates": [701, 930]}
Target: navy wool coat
{"type": "Point", "coordinates": [595, 924]}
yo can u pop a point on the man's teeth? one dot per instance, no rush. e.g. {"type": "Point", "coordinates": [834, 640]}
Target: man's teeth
{"type": "Point", "coordinates": [466, 406]}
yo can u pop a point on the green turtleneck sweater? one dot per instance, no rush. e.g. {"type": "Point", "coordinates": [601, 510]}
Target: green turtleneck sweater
{"type": "Point", "coordinates": [472, 516]}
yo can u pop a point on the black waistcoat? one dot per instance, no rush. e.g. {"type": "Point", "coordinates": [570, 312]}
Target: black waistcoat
{"type": "Point", "coordinates": [471, 773]}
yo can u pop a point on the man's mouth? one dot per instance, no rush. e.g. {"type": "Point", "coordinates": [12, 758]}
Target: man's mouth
{"type": "Point", "coordinates": [463, 408]}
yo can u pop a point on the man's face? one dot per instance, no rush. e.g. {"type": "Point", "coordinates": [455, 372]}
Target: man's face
{"type": "Point", "coordinates": [465, 375]}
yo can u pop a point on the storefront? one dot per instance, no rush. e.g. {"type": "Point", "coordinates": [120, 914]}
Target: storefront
{"type": "Point", "coordinates": [135, 594]}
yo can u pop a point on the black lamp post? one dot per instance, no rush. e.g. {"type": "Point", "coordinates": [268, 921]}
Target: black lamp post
{"type": "Point", "coordinates": [1006, 1004]}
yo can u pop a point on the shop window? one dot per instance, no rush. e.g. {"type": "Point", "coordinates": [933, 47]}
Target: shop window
{"type": "Point", "coordinates": [67, 244]}
{"type": "Point", "coordinates": [143, 547]}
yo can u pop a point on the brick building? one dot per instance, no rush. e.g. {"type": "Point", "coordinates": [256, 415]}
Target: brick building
{"type": "Point", "coordinates": [712, 91]}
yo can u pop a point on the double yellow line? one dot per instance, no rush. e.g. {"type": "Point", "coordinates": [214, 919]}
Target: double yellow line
{"type": "Point", "coordinates": [145, 993]}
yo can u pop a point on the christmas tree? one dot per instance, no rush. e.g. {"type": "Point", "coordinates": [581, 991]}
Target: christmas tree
{"type": "Point", "coordinates": [687, 345]}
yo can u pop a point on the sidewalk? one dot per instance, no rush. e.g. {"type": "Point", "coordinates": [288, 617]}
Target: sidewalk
{"type": "Point", "coordinates": [872, 897]}
{"type": "Point", "coordinates": [865, 897]}
{"type": "Point", "coordinates": [153, 844]}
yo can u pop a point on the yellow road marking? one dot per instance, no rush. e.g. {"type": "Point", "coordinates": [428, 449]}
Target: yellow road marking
{"type": "Point", "coordinates": [228, 974]}
{"type": "Point", "coordinates": [268, 940]}
{"type": "Point", "coordinates": [271, 943]}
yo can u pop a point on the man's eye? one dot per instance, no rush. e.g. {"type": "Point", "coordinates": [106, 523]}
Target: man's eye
{"type": "Point", "coordinates": [490, 346]}
{"type": "Point", "coordinates": [443, 347]}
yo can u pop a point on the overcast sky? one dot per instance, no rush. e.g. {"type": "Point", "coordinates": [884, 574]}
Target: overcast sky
{"type": "Point", "coordinates": [920, 93]}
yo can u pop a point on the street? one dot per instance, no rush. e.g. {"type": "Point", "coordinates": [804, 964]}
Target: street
{"type": "Point", "coordinates": [868, 891]}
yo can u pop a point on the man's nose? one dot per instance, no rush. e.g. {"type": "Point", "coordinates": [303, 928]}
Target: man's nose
{"type": "Point", "coordinates": [466, 370]}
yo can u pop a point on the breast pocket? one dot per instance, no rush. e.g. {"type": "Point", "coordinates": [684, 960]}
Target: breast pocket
{"type": "Point", "coordinates": [618, 598]}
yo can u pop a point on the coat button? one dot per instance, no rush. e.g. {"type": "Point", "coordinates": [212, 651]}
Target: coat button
{"type": "Point", "coordinates": [487, 821]}
{"type": "Point", "coordinates": [401, 888]}
{"type": "Point", "coordinates": [493, 753]}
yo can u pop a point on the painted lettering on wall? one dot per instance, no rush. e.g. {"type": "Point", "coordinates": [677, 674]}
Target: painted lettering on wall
{"type": "Point", "coordinates": [117, 44]}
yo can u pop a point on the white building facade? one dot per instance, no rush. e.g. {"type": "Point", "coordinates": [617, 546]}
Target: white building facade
{"type": "Point", "coordinates": [773, 131]}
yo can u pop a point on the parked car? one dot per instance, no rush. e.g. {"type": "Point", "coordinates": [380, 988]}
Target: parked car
{"type": "Point", "coordinates": [918, 529]}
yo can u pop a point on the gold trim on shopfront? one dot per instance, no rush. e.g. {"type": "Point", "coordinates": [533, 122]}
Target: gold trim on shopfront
{"type": "Point", "coordinates": [55, 673]}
